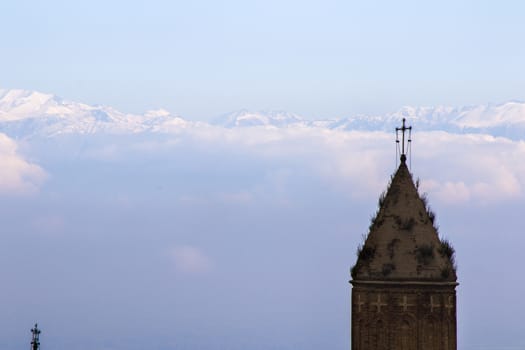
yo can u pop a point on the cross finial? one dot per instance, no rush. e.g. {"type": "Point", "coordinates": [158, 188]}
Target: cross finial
{"type": "Point", "coordinates": [403, 129]}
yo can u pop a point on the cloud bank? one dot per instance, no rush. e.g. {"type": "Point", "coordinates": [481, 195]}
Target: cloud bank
{"type": "Point", "coordinates": [454, 168]}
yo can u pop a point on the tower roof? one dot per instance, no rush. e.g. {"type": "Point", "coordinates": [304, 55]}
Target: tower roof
{"type": "Point", "coordinates": [403, 243]}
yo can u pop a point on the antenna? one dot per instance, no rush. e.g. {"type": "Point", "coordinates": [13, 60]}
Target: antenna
{"type": "Point", "coordinates": [35, 342]}
{"type": "Point", "coordinates": [403, 129]}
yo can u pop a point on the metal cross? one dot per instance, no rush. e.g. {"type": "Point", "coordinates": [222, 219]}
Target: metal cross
{"type": "Point", "coordinates": [405, 303]}
{"type": "Point", "coordinates": [359, 303]}
{"type": "Point", "coordinates": [403, 128]}
{"type": "Point", "coordinates": [449, 305]}
{"type": "Point", "coordinates": [432, 305]}
{"type": "Point", "coordinates": [378, 303]}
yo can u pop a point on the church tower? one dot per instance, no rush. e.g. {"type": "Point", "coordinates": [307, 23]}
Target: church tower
{"type": "Point", "coordinates": [404, 281]}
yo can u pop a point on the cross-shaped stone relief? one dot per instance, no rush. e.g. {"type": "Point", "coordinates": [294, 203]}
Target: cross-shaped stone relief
{"type": "Point", "coordinates": [359, 303]}
{"type": "Point", "coordinates": [378, 303]}
{"type": "Point", "coordinates": [432, 305]}
{"type": "Point", "coordinates": [405, 303]}
{"type": "Point", "coordinates": [449, 305]}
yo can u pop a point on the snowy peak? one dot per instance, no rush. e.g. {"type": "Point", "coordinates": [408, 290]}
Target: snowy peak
{"type": "Point", "coordinates": [469, 117]}
{"type": "Point", "coordinates": [19, 104]}
{"type": "Point", "coordinates": [506, 119]}
{"type": "Point", "coordinates": [157, 113]}
{"type": "Point", "coordinates": [489, 116]}
{"type": "Point", "coordinates": [28, 113]}
{"type": "Point", "coordinates": [245, 118]}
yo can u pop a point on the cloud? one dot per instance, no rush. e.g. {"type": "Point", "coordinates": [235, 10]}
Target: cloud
{"type": "Point", "coordinates": [454, 168]}
{"type": "Point", "coordinates": [481, 168]}
{"type": "Point", "coordinates": [190, 260]}
{"type": "Point", "coordinates": [18, 176]}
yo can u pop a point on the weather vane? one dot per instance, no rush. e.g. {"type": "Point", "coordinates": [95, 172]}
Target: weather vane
{"type": "Point", "coordinates": [403, 129]}
{"type": "Point", "coordinates": [35, 342]}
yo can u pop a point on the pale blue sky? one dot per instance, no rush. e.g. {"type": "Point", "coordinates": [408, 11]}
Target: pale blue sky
{"type": "Point", "coordinates": [317, 58]}
{"type": "Point", "coordinates": [210, 238]}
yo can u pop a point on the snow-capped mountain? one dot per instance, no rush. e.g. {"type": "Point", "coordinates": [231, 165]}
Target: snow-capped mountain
{"type": "Point", "coordinates": [243, 118]}
{"type": "Point", "coordinates": [507, 119]}
{"type": "Point", "coordinates": [28, 113]}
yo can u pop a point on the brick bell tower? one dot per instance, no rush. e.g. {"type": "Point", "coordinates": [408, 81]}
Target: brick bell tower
{"type": "Point", "coordinates": [404, 281]}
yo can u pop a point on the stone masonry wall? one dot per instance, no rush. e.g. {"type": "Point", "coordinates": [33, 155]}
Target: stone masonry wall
{"type": "Point", "coordinates": [403, 317]}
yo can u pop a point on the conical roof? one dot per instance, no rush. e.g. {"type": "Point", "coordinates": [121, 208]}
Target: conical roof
{"type": "Point", "coordinates": [403, 244]}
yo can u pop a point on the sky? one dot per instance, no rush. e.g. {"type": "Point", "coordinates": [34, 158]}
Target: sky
{"type": "Point", "coordinates": [326, 59]}
{"type": "Point", "coordinates": [214, 238]}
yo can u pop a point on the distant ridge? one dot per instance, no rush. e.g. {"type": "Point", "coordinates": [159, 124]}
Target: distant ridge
{"type": "Point", "coordinates": [25, 113]}
{"type": "Point", "coordinates": [245, 118]}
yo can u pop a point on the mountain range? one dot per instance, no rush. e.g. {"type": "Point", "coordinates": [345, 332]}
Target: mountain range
{"type": "Point", "coordinates": [26, 114]}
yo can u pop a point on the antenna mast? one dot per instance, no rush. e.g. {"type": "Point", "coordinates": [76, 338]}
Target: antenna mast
{"type": "Point", "coordinates": [35, 341]}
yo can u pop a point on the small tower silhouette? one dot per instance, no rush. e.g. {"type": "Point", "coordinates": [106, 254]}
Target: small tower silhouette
{"type": "Point", "coordinates": [404, 281]}
{"type": "Point", "coordinates": [35, 341]}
